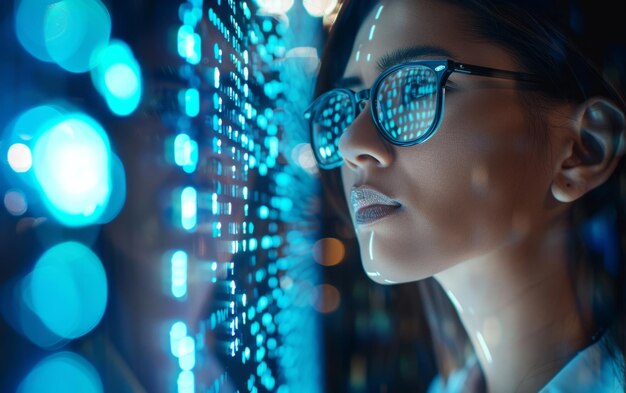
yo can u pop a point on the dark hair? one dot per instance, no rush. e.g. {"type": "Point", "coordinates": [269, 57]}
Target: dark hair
{"type": "Point", "coordinates": [579, 47]}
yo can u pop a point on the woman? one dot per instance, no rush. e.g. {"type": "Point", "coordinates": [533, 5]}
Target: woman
{"type": "Point", "coordinates": [510, 201]}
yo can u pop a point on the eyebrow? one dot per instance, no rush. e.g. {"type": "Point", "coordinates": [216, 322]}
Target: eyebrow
{"type": "Point", "coordinates": [395, 57]}
{"type": "Point", "coordinates": [403, 55]}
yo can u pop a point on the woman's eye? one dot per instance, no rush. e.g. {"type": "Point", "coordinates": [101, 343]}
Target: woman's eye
{"type": "Point", "coordinates": [415, 90]}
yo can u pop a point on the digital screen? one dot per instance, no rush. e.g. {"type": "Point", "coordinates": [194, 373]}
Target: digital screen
{"type": "Point", "coordinates": [244, 205]}
{"type": "Point", "coordinates": [159, 197]}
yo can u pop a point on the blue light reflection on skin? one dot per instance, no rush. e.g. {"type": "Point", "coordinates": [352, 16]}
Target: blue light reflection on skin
{"type": "Point", "coordinates": [370, 37]}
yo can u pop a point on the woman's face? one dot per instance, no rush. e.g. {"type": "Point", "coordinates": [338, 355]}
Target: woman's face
{"type": "Point", "coordinates": [480, 183]}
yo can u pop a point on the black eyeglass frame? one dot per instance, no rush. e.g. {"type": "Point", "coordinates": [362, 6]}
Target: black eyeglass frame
{"type": "Point", "coordinates": [442, 68]}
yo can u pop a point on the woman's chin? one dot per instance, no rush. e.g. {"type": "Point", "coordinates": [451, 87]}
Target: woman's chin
{"type": "Point", "coordinates": [387, 270]}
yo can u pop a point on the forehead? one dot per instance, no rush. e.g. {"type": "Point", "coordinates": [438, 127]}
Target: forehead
{"type": "Point", "coordinates": [396, 25]}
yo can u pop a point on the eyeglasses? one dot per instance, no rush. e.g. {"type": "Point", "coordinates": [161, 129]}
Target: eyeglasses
{"type": "Point", "coordinates": [406, 105]}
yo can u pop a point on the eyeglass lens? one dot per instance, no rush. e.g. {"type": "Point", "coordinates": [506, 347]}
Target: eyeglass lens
{"type": "Point", "coordinates": [406, 103]}
{"type": "Point", "coordinates": [333, 115]}
{"type": "Point", "coordinates": [405, 108]}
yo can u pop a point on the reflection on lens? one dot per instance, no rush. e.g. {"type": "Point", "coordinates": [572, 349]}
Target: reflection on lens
{"type": "Point", "coordinates": [331, 116]}
{"type": "Point", "coordinates": [407, 102]}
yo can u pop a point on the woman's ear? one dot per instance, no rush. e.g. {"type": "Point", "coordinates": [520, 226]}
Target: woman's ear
{"type": "Point", "coordinates": [590, 151]}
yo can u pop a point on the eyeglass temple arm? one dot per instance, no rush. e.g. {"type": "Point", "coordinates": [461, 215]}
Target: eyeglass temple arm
{"type": "Point", "coordinates": [493, 72]}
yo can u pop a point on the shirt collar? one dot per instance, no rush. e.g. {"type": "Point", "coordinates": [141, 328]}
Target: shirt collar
{"type": "Point", "coordinates": [591, 370]}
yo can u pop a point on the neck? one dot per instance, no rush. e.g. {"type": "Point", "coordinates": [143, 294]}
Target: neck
{"type": "Point", "coordinates": [519, 310]}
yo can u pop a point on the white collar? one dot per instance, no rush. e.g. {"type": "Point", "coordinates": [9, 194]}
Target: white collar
{"type": "Point", "coordinates": [591, 370]}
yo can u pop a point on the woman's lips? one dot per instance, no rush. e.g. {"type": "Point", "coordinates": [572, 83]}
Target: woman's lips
{"type": "Point", "coordinates": [371, 205]}
{"type": "Point", "coordinates": [373, 213]}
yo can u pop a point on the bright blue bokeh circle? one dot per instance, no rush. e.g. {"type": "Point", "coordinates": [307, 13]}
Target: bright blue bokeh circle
{"type": "Point", "coordinates": [67, 32]}
{"type": "Point", "coordinates": [72, 166]}
{"type": "Point", "coordinates": [68, 289]}
{"type": "Point", "coordinates": [64, 372]}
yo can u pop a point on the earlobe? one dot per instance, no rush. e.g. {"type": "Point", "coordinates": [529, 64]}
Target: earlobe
{"type": "Point", "coordinates": [591, 151]}
{"type": "Point", "coordinates": [565, 191]}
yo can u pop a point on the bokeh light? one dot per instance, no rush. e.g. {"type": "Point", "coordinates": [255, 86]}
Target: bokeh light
{"type": "Point", "coordinates": [75, 174]}
{"type": "Point", "coordinates": [302, 154]}
{"type": "Point", "coordinates": [19, 314]}
{"type": "Point", "coordinates": [275, 6]}
{"type": "Point", "coordinates": [15, 202]}
{"type": "Point", "coordinates": [72, 164]}
{"type": "Point", "coordinates": [177, 332]}
{"type": "Point", "coordinates": [186, 353]}
{"type": "Point", "coordinates": [19, 136]}
{"type": "Point", "coordinates": [306, 57]}
{"type": "Point", "coordinates": [30, 19]}
{"type": "Point", "coordinates": [29, 324]}
{"type": "Point", "coordinates": [30, 123]}
{"type": "Point", "coordinates": [17, 144]}
{"type": "Point", "coordinates": [117, 77]}
{"type": "Point", "coordinates": [67, 289]}
{"type": "Point", "coordinates": [118, 191]}
{"type": "Point", "coordinates": [36, 331]}
{"type": "Point", "coordinates": [185, 382]}
{"type": "Point", "coordinates": [329, 251]}
{"type": "Point", "coordinates": [179, 274]}
{"type": "Point", "coordinates": [189, 44]}
{"type": "Point", "coordinates": [67, 32]}
{"type": "Point", "coordinates": [189, 208]}
{"type": "Point", "coordinates": [64, 372]}
{"type": "Point", "coordinates": [190, 101]}
{"type": "Point", "coordinates": [186, 152]}
{"type": "Point", "coordinates": [319, 8]}
{"type": "Point", "coordinates": [327, 298]}
{"type": "Point", "coordinates": [120, 80]}
{"type": "Point", "coordinates": [19, 157]}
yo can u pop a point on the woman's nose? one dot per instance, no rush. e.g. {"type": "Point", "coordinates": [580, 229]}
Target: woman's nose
{"type": "Point", "coordinates": [361, 144]}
